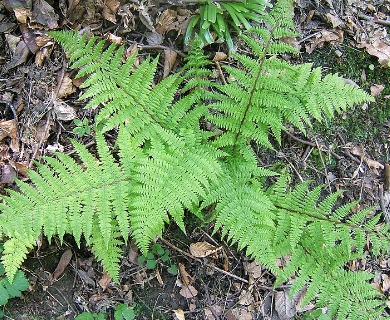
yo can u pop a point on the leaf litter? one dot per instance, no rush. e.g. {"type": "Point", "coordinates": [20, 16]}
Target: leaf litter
{"type": "Point", "coordinates": [44, 119]}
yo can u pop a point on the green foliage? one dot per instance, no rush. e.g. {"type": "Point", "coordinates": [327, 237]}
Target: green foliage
{"type": "Point", "coordinates": [184, 145]}
{"type": "Point", "coordinates": [218, 17]}
{"type": "Point", "coordinates": [9, 290]}
{"type": "Point", "coordinates": [81, 127]}
{"type": "Point", "coordinates": [157, 255]}
{"type": "Point", "coordinates": [122, 312]}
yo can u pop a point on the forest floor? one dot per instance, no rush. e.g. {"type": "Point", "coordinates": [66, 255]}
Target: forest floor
{"type": "Point", "coordinates": [39, 106]}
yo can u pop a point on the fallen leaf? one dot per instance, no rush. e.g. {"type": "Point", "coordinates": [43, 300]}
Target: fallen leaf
{"type": "Point", "coordinates": [62, 264]}
{"type": "Point", "coordinates": [253, 269]}
{"type": "Point", "coordinates": [239, 314]}
{"type": "Point", "coordinates": [385, 283]}
{"type": "Point", "coordinates": [203, 249]}
{"type": "Point", "coordinates": [188, 292]}
{"type": "Point", "coordinates": [246, 298]}
{"type": "Point", "coordinates": [325, 36]}
{"type": "Point", "coordinates": [44, 14]}
{"type": "Point", "coordinates": [8, 128]}
{"type": "Point", "coordinates": [20, 56]}
{"type": "Point", "coordinates": [374, 164]}
{"type": "Point", "coordinates": [146, 19]}
{"type": "Point", "coordinates": [8, 174]}
{"type": "Point", "coordinates": [220, 56]}
{"type": "Point", "coordinates": [379, 49]}
{"type": "Point", "coordinates": [169, 61]}
{"type": "Point", "coordinates": [66, 87]}
{"type": "Point", "coordinates": [376, 89]}
{"type": "Point", "coordinates": [185, 277]}
{"type": "Point", "coordinates": [179, 314]}
{"type": "Point", "coordinates": [153, 38]}
{"type": "Point", "coordinates": [63, 111]}
{"type": "Point", "coordinates": [284, 306]}
{"type": "Point", "coordinates": [115, 39]}
{"type": "Point", "coordinates": [133, 253]}
{"type": "Point", "coordinates": [335, 20]}
{"type": "Point", "coordinates": [105, 281]}
{"type": "Point", "coordinates": [167, 21]}
{"type": "Point", "coordinates": [110, 8]}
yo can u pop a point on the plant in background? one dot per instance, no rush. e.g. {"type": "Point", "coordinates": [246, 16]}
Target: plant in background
{"type": "Point", "coordinates": [9, 290]}
{"type": "Point", "coordinates": [219, 17]}
{"type": "Point", "coordinates": [122, 312]}
{"type": "Point", "coordinates": [182, 148]}
{"type": "Point", "coordinates": [81, 127]}
{"type": "Point", "coordinates": [154, 256]}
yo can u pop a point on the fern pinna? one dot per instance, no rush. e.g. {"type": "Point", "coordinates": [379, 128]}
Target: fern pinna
{"type": "Point", "coordinates": [184, 145]}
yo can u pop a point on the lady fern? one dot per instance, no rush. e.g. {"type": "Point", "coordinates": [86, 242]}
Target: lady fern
{"type": "Point", "coordinates": [184, 145]}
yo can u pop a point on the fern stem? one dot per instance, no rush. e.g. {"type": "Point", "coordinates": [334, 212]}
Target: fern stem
{"type": "Point", "coordinates": [251, 94]}
{"type": "Point", "coordinates": [335, 222]}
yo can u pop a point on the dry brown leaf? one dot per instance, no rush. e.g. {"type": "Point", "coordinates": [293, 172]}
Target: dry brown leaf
{"type": "Point", "coordinates": [110, 8]}
{"type": "Point", "coordinates": [374, 164]}
{"type": "Point", "coordinates": [62, 264]}
{"type": "Point", "coordinates": [44, 14]}
{"type": "Point", "coordinates": [385, 282]}
{"type": "Point", "coordinates": [63, 111]}
{"type": "Point", "coordinates": [239, 314]}
{"type": "Point", "coordinates": [66, 87]}
{"type": "Point", "coordinates": [167, 21]}
{"type": "Point", "coordinates": [379, 49]}
{"type": "Point", "coordinates": [133, 253]}
{"type": "Point", "coordinates": [159, 278]}
{"type": "Point", "coordinates": [376, 89]}
{"type": "Point", "coordinates": [220, 56]}
{"type": "Point", "coordinates": [169, 61]}
{"type": "Point", "coordinates": [246, 298]}
{"type": "Point", "coordinates": [253, 269]}
{"type": "Point", "coordinates": [209, 315]}
{"type": "Point", "coordinates": [357, 151]}
{"type": "Point", "coordinates": [185, 277]}
{"type": "Point", "coordinates": [8, 174]}
{"type": "Point", "coordinates": [105, 281]}
{"type": "Point", "coordinates": [178, 314]}
{"type": "Point", "coordinates": [19, 56]}
{"type": "Point", "coordinates": [188, 292]}
{"type": "Point", "coordinates": [335, 20]}
{"type": "Point", "coordinates": [202, 249]}
{"type": "Point", "coordinates": [8, 128]}
{"type": "Point", "coordinates": [284, 307]}
{"type": "Point", "coordinates": [146, 19]}
{"type": "Point", "coordinates": [113, 38]}
{"type": "Point", "coordinates": [323, 37]}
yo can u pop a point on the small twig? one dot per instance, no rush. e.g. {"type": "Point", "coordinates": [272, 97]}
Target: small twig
{"type": "Point", "coordinates": [374, 20]}
{"type": "Point", "coordinates": [199, 260]}
{"type": "Point", "coordinates": [206, 291]}
{"type": "Point", "coordinates": [312, 144]}
{"type": "Point", "coordinates": [323, 164]}
{"type": "Point", "coordinates": [220, 72]}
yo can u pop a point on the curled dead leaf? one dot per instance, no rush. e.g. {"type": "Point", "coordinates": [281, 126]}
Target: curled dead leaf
{"type": "Point", "coordinates": [202, 249]}
{"type": "Point", "coordinates": [66, 87]}
{"type": "Point", "coordinates": [376, 89]}
{"type": "Point", "coordinates": [63, 111]}
{"type": "Point", "coordinates": [188, 292]}
{"type": "Point", "coordinates": [220, 56]}
{"type": "Point", "coordinates": [169, 61]}
{"type": "Point", "coordinates": [62, 264]}
{"type": "Point", "coordinates": [381, 50]}
{"type": "Point", "coordinates": [178, 314]}
{"type": "Point", "coordinates": [105, 281]}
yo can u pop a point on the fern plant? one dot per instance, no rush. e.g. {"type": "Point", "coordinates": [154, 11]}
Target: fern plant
{"type": "Point", "coordinates": [218, 17]}
{"type": "Point", "coordinates": [184, 145]}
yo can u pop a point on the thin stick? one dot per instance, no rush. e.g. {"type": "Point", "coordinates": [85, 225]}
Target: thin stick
{"type": "Point", "coordinates": [199, 260]}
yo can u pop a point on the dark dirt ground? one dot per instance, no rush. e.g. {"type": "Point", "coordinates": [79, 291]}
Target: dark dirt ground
{"type": "Point", "coordinates": [348, 154]}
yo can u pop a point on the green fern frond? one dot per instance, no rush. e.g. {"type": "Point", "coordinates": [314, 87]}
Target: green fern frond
{"type": "Point", "coordinates": [64, 198]}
